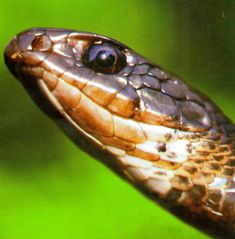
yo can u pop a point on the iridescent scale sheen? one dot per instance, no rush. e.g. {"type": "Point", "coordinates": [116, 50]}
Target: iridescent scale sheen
{"type": "Point", "coordinates": [153, 129]}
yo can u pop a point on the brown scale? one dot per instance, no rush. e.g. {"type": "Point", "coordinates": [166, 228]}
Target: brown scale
{"type": "Point", "coordinates": [228, 171]}
{"type": "Point", "coordinates": [181, 183]}
{"type": "Point", "coordinates": [174, 195]}
{"type": "Point", "coordinates": [143, 155]}
{"type": "Point", "coordinates": [214, 200]}
{"type": "Point", "coordinates": [116, 142]}
{"type": "Point", "coordinates": [109, 102]}
{"type": "Point", "coordinates": [214, 168]}
{"type": "Point", "coordinates": [167, 164]}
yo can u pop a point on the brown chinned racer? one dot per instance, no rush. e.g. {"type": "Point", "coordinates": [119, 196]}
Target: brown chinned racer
{"type": "Point", "coordinates": [146, 124]}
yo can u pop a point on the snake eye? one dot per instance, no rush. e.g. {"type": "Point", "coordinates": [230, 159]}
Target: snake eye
{"type": "Point", "coordinates": [104, 58]}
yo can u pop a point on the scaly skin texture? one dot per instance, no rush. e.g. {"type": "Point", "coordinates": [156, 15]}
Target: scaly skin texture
{"type": "Point", "coordinates": [165, 138]}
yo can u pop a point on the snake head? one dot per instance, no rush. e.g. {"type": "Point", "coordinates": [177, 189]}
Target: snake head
{"type": "Point", "coordinates": [107, 91]}
{"type": "Point", "coordinates": [77, 65]}
{"type": "Point", "coordinates": [147, 124]}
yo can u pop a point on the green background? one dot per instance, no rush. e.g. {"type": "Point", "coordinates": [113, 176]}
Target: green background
{"type": "Point", "coordinates": [48, 187]}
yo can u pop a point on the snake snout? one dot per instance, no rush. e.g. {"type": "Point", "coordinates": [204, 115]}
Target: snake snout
{"type": "Point", "coordinates": [16, 48]}
{"type": "Point", "coordinates": [26, 50]}
{"type": "Point", "coordinates": [12, 55]}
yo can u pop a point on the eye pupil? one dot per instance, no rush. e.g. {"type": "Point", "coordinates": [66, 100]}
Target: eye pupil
{"type": "Point", "coordinates": [104, 58]}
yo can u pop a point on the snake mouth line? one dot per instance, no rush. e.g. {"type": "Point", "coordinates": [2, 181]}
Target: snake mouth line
{"type": "Point", "coordinates": [43, 87]}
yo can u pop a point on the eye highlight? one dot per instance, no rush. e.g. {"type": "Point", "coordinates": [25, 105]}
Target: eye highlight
{"type": "Point", "coordinates": [104, 58]}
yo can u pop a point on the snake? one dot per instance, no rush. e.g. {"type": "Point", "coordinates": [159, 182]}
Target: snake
{"type": "Point", "coordinates": [147, 125]}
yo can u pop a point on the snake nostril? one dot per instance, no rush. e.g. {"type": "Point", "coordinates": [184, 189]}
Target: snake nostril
{"type": "Point", "coordinates": [42, 43]}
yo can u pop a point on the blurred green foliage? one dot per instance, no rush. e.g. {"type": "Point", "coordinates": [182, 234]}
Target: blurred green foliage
{"type": "Point", "coordinates": [48, 187]}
